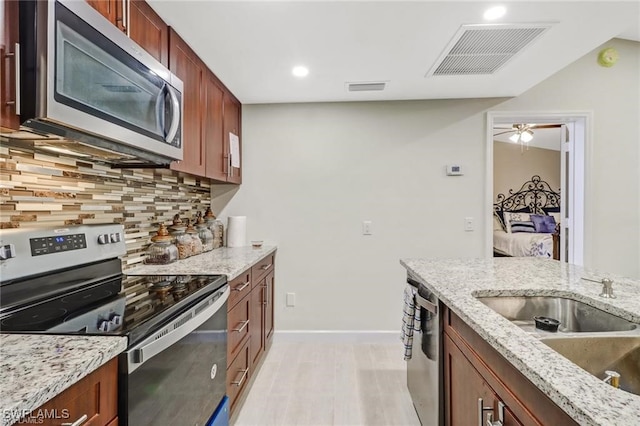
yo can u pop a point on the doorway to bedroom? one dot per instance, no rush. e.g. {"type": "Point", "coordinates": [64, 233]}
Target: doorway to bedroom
{"type": "Point", "coordinates": [536, 185]}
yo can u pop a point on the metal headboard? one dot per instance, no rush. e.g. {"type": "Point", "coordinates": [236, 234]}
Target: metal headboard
{"type": "Point", "coordinates": [535, 195]}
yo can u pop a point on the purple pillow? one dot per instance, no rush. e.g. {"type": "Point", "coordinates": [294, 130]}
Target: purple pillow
{"type": "Point", "coordinates": [543, 224]}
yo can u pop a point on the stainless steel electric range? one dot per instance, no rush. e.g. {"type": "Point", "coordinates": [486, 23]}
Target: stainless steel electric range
{"type": "Point", "coordinates": [69, 281]}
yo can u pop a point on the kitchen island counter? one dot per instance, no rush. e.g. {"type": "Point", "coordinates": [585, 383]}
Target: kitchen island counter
{"type": "Point", "coordinates": [35, 368]}
{"type": "Point", "coordinates": [586, 398]}
{"type": "Point", "coordinates": [229, 261]}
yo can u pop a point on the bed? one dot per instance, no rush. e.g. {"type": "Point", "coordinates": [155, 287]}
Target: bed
{"type": "Point", "coordinates": [526, 221]}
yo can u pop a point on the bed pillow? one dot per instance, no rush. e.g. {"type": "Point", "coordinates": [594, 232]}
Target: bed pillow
{"type": "Point", "coordinates": [522, 226]}
{"type": "Point", "coordinates": [518, 217]}
{"type": "Point", "coordinates": [543, 224]}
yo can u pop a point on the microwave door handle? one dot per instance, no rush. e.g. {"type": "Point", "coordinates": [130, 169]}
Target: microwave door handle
{"type": "Point", "coordinates": [175, 114]}
{"type": "Point", "coordinates": [160, 110]}
{"type": "Point", "coordinates": [148, 349]}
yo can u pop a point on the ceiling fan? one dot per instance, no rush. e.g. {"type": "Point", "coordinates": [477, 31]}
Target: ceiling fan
{"type": "Point", "coordinates": [524, 132]}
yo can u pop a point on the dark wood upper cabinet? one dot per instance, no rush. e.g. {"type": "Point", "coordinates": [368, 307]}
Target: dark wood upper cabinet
{"type": "Point", "coordinates": [9, 119]}
{"type": "Point", "coordinates": [184, 63]}
{"type": "Point", "coordinates": [231, 112]}
{"type": "Point", "coordinates": [216, 164]}
{"type": "Point", "coordinates": [149, 30]}
{"type": "Point", "coordinates": [116, 11]}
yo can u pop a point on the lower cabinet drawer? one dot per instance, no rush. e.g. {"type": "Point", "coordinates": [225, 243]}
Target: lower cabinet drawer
{"type": "Point", "coordinates": [238, 324]}
{"type": "Point", "coordinates": [238, 374]}
{"type": "Point", "coordinates": [95, 396]}
{"type": "Point", "coordinates": [240, 287]}
{"type": "Point", "coordinates": [261, 268]}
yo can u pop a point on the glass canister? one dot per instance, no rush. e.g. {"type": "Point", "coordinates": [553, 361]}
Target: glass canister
{"type": "Point", "coordinates": [216, 227]}
{"type": "Point", "coordinates": [161, 251]}
{"type": "Point", "coordinates": [182, 240]}
{"type": "Point", "coordinates": [196, 243]}
{"type": "Point", "coordinates": [205, 234]}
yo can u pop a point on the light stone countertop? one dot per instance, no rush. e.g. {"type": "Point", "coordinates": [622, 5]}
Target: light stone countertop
{"type": "Point", "coordinates": [35, 367]}
{"type": "Point", "coordinates": [224, 261]}
{"type": "Point", "coordinates": [586, 398]}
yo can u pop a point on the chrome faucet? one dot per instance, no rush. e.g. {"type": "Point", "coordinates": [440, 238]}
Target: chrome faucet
{"type": "Point", "coordinates": [607, 287]}
{"type": "Point", "coordinates": [613, 378]}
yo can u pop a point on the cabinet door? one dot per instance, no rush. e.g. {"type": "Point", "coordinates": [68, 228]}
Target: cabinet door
{"type": "Point", "coordinates": [232, 120]}
{"type": "Point", "coordinates": [149, 30]}
{"type": "Point", "coordinates": [256, 322]}
{"type": "Point", "coordinates": [107, 8]}
{"type": "Point", "coordinates": [213, 127]}
{"type": "Point", "coordinates": [8, 90]}
{"type": "Point", "coordinates": [463, 387]}
{"type": "Point", "coordinates": [184, 63]}
{"type": "Point", "coordinates": [268, 311]}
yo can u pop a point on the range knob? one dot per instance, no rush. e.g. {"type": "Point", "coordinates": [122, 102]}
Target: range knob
{"type": "Point", "coordinates": [104, 326]}
{"type": "Point", "coordinates": [103, 239]}
{"type": "Point", "coordinates": [115, 238]}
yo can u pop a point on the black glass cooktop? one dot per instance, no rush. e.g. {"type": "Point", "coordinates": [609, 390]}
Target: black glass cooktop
{"type": "Point", "coordinates": [148, 303]}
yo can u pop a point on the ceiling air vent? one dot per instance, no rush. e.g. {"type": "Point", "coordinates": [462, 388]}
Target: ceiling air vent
{"type": "Point", "coordinates": [484, 48]}
{"type": "Point", "coordinates": [371, 86]}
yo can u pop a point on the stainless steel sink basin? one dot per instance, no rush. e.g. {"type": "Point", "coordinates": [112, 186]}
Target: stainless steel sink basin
{"type": "Point", "coordinates": [599, 354]}
{"type": "Point", "coordinates": [574, 316]}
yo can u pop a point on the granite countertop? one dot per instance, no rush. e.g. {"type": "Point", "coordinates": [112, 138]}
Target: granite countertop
{"type": "Point", "coordinates": [35, 367]}
{"type": "Point", "coordinates": [586, 398]}
{"type": "Point", "coordinates": [225, 261]}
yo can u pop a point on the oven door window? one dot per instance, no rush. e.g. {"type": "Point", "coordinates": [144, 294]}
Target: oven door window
{"type": "Point", "coordinates": [95, 76]}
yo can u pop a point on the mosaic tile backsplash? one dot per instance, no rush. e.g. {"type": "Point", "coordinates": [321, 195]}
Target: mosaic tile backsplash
{"type": "Point", "coordinates": [42, 191]}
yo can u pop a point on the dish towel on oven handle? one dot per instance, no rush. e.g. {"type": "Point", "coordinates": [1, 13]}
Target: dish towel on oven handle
{"type": "Point", "coordinates": [410, 320]}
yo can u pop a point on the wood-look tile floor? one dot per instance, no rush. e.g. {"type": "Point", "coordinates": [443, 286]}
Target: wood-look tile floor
{"type": "Point", "coordinates": [304, 383]}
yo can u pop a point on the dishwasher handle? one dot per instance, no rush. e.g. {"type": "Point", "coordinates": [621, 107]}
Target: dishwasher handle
{"type": "Point", "coordinates": [421, 301]}
{"type": "Point", "coordinates": [177, 329]}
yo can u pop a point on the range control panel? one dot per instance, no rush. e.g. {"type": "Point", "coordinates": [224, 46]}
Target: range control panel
{"type": "Point", "coordinates": [57, 244]}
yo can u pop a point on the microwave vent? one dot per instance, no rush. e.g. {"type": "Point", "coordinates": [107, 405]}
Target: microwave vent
{"type": "Point", "coordinates": [484, 48]}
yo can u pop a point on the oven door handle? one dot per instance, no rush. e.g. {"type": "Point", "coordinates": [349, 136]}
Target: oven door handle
{"type": "Point", "coordinates": [176, 330]}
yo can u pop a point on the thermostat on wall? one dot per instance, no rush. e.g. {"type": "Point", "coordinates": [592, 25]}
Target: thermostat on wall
{"type": "Point", "coordinates": [454, 170]}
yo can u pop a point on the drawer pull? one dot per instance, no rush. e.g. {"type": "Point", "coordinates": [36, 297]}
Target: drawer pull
{"type": "Point", "coordinates": [265, 267]}
{"type": "Point", "coordinates": [244, 324]}
{"type": "Point", "coordinates": [77, 422]}
{"type": "Point", "coordinates": [241, 286]}
{"type": "Point", "coordinates": [244, 376]}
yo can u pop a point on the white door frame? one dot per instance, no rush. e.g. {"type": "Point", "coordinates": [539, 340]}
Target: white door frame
{"type": "Point", "coordinates": [583, 162]}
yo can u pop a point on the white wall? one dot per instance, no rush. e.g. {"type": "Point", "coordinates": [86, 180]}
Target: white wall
{"type": "Point", "coordinates": [314, 172]}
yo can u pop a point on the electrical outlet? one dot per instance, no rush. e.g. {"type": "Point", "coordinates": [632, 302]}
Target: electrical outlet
{"type": "Point", "coordinates": [468, 224]}
{"type": "Point", "coordinates": [367, 227]}
{"type": "Point", "coordinates": [291, 299]}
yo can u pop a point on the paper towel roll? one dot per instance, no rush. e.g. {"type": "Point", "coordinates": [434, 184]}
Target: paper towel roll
{"type": "Point", "coordinates": [237, 231]}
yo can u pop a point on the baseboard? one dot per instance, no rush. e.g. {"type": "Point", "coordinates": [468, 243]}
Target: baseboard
{"type": "Point", "coordinates": [337, 336]}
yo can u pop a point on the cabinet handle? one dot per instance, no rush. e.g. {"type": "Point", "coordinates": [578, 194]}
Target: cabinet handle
{"type": "Point", "coordinates": [244, 376]}
{"type": "Point", "coordinates": [481, 410]}
{"type": "Point", "coordinates": [241, 286]}
{"type": "Point", "coordinates": [230, 169]}
{"type": "Point", "coordinates": [265, 267]}
{"type": "Point", "coordinates": [244, 324]}
{"type": "Point", "coordinates": [266, 294]}
{"type": "Point", "coordinates": [123, 19]}
{"type": "Point", "coordinates": [77, 422]}
{"type": "Point", "coordinates": [16, 57]}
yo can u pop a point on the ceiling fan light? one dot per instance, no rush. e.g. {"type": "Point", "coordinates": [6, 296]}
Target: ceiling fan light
{"type": "Point", "coordinates": [514, 137]}
{"type": "Point", "coordinates": [526, 136]}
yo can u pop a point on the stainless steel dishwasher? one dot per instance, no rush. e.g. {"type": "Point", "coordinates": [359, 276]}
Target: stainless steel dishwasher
{"type": "Point", "coordinates": [425, 368]}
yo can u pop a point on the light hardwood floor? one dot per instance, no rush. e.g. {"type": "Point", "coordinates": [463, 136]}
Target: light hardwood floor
{"type": "Point", "coordinates": [330, 383]}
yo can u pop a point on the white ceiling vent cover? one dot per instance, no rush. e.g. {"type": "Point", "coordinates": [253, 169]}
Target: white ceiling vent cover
{"type": "Point", "coordinates": [484, 48]}
{"type": "Point", "coordinates": [371, 86]}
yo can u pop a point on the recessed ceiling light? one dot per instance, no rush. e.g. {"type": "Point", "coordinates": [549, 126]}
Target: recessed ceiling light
{"type": "Point", "coordinates": [300, 71]}
{"type": "Point", "coordinates": [495, 13]}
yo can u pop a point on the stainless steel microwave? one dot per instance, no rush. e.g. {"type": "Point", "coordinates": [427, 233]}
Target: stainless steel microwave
{"type": "Point", "coordinates": [89, 90]}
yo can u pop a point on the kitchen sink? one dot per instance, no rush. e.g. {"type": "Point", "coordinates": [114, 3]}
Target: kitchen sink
{"type": "Point", "coordinates": [599, 354]}
{"type": "Point", "coordinates": [574, 316]}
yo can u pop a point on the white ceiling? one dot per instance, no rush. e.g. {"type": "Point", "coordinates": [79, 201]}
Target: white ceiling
{"type": "Point", "coordinates": [253, 45]}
